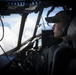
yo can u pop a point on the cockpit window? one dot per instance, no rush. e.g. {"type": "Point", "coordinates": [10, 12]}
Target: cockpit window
{"type": "Point", "coordinates": [45, 25]}
{"type": "Point", "coordinates": [29, 26]}
{"type": "Point", "coordinates": [11, 32]}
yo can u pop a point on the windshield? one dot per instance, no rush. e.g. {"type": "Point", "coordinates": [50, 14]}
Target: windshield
{"type": "Point", "coordinates": [12, 26]}
{"type": "Point", "coordinates": [11, 30]}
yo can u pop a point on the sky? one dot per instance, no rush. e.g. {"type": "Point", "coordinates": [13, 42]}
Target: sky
{"type": "Point", "coordinates": [12, 26]}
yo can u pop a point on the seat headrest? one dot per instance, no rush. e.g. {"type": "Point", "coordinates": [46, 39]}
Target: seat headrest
{"type": "Point", "coordinates": [72, 29]}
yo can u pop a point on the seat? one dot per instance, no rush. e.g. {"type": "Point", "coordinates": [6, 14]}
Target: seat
{"type": "Point", "coordinates": [61, 58]}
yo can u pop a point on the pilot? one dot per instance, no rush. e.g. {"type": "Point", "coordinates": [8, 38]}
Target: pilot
{"type": "Point", "coordinates": [61, 23]}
